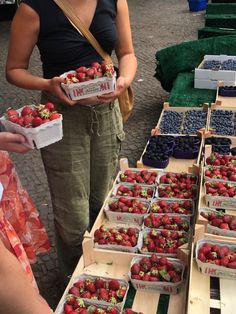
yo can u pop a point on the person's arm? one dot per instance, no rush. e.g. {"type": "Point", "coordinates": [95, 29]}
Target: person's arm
{"type": "Point", "coordinates": [124, 50]}
{"type": "Point", "coordinates": [12, 142]}
{"type": "Point", "coordinates": [23, 38]}
{"type": "Point", "coordinates": [17, 295]}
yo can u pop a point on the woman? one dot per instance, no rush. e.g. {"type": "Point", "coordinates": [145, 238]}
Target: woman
{"type": "Point", "coordinates": [81, 167]}
{"type": "Point", "coordinates": [20, 228]}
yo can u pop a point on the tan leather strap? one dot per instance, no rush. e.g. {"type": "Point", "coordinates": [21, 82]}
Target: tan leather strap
{"type": "Point", "coordinates": [79, 25]}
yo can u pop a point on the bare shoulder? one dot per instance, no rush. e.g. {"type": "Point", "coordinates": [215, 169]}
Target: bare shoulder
{"type": "Point", "coordinates": [25, 15]}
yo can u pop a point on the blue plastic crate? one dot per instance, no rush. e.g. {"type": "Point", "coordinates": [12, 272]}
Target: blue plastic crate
{"type": "Point", "coordinates": [197, 5]}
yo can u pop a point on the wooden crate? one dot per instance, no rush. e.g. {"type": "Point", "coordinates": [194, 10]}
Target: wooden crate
{"type": "Point", "coordinates": [115, 264]}
{"type": "Point", "coordinates": [218, 106]}
{"type": "Point", "coordinates": [178, 165]}
{"type": "Point", "coordinates": [207, 294]}
{"type": "Point", "coordinates": [167, 107]}
{"type": "Point", "coordinates": [222, 101]}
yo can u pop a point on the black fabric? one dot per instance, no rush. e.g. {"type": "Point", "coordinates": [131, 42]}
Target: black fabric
{"type": "Point", "coordinates": [62, 47]}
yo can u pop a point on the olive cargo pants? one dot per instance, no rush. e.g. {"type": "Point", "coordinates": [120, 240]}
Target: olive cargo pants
{"type": "Point", "coordinates": [80, 171]}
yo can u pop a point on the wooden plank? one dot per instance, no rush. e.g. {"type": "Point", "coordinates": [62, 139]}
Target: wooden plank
{"type": "Point", "coordinates": [227, 296]}
{"type": "Point", "coordinates": [177, 302]}
{"type": "Point", "coordinates": [199, 292]}
{"type": "Point", "coordinates": [146, 301]}
{"type": "Point", "coordinates": [222, 101]}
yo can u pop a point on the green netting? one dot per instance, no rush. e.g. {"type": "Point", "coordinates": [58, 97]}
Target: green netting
{"type": "Point", "coordinates": [207, 32]}
{"type": "Point", "coordinates": [221, 20]}
{"type": "Point", "coordinates": [186, 56]}
{"type": "Point", "coordinates": [221, 8]}
{"type": "Point", "coordinates": [183, 93]}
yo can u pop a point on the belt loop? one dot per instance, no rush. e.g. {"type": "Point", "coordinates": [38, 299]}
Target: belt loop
{"type": "Point", "coordinates": [111, 105]}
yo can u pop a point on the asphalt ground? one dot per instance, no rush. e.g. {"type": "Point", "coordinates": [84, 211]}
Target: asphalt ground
{"type": "Point", "coordinates": [156, 24]}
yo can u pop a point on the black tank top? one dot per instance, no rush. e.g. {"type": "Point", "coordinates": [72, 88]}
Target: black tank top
{"type": "Point", "coordinates": [61, 46]}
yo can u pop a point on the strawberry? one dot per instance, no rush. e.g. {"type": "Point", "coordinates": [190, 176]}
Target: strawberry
{"type": "Point", "coordinates": [103, 294]}
{"type": "Point", "coordinates": [37, 121]}
{"type": "Point", "coordinates": [114, 284]}
{"type": "Point", "coordinates": [27, 110]}
{"type": "Point", "coordinates": [120, 293]}
{"type": "Point", "coordinates": [75, 291]}
{"type": "Point", "coordinates": [50, 106]}
{"type": "Point", "coordinates": [135, 269]}
{"type": "Point", "coordinates": [68, 308]}
{"type": "Point", "coordinates": [99, 283]}
{"type": "Point", "coordinates": [54, 115]}
{"type": "Point", "coordinates": [112, 310]}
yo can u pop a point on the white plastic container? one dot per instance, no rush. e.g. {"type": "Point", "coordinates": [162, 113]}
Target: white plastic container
{"type": "Point", "coordinates": [161, 286]}
{"type": "Point", "coordinates": [94, 87]}
{"type": "Point", "coordinates": [41, 136]}
{"type": "Point", "coordinates": [214, 270]}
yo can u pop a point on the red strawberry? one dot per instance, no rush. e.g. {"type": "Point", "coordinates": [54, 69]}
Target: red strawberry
{"type": "Point", "coordinates": [50, 106]}
{"type": "Point", "coordinates": [232, 265]}
{"type": "Point", "coordinates": [121, 293]}
{"type": "Point", "coordinates": [99, 283]}
{"type": "Point", "coordinates": [114, 284]}
{"type": "Point", "coordinates": [112, 310]}
{"type": "Point", "coordinates": [37, 121]}
{"type": "Point", "coordinates": [135, 269]}
{"type": "Point", "coordinates": [68, 308]}
{"type": "Point", "coordinates": [54, 115]}
{"type": "Point", "coordinates": [27, 110]}
{"type": "Point", "coordinates": [103, 294]}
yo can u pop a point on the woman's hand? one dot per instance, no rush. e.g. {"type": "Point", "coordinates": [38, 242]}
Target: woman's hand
{"type": "Point", "coordinates": [12, 142]}
{"type": "Point", "coordinates": [121, 84]}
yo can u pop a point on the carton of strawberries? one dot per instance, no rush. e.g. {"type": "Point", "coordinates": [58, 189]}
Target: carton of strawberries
{"type": "Point", "coordinates": [83, 82]}
{"type": "Point", "coordinates": [216, 258]}
{"type": "Point", "coordinates": [126, 209]}
{"type": "Point", "coordinates": [157, 273]}
{"type": "Point", "coordinates": [89, 292]}
{"type": "Point", "coordinates": [40, 124]}
{"type": "Point", "coordinates": [119, 238]}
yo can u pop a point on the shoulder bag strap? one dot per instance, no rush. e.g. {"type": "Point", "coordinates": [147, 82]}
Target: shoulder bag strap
{"type": "Point", "coordinates": [79, 25]}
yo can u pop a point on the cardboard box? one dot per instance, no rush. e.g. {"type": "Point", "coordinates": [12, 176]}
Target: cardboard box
{"type": "Point", "coordinates": [95, 87]}
{"type": "Point", "coordinates": [41, 136]}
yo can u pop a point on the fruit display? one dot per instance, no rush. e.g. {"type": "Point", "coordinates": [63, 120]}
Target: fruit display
{"type": "Point", "coordinates": [76, 305]}
{"type": "Point", "coordinates": [158, 273]}
{"type": "Point", "coordinates": [219, 222]}
{"type": "Point", "coordinates": [97, 291]}
{"type": "Point", "coordinates": [41, 124]}
{"type": "Point", "coordinates": [185, 178]}
{"type": "Point", "coordinates": [222, 122]}
{"type": "Point", "coordinates": [84, 82]}
{"type": "Point", "coordinates": [220, 145]}
{"type": "Point", "coordinates": [32, 116]}
{"type": "Point", "coordinates": [194, 121]}
{"type": "Point", "coordinates": [94, 71]}
{"type": "Point", "coordinates": [160, 206]}
{"type": "Point", "coordinates": [227, 91]}
{"type": "Point", "coordinates": [220, 173]}
{"type": "Point", "coordinates": [187, 122]}
{"type": "Point", "coordinates": [177, 190]}
{"type": "Point", "coordinates": [161, 147]}
{"type": "Point", "coordinates": [141, 177]}
{"type": "Point", "coordinates": [216, 65]}
{"type": "Point", "coordinates": [128, 205]}
{"type": "Point", "coordinates": [171, 122]}
{"type": "Point", "coordinates": [219, 188]}
{"type": "Point", "coordinates": [186, 147]}
{"type": "Point", "coordinates": [216, 159]}
{"type": "Point", "coordinates": [117, 238]}
{"type": "Point", "coordinates": [162, 241]}
{"type": "Point", "coordinates": [158, 151]}
{"type": "Point", "coordinates": [126, 210]}
{"type": "Point", "coordinates": [134, 190]}
{"type": "Point", "coordinates": [167, 221]}
{"type": "Point", "coordinates": [217, 259]}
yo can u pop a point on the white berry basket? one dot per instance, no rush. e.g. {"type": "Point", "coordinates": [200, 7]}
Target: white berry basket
{"type": "Point", "coordinates": [125, 217]}
{"type": "Point", "coordinates": [161, 286]}
{"type": "Point", "coordinates": [97, 302]}
{"type": "Point", "coordinates": [216, 230]}
{"type": "Point", "coordinates": [94, 87]}
{"type": "Point", "coordinates": [41, 136]}
{"type": "Point", "coordinates": [214, 270]}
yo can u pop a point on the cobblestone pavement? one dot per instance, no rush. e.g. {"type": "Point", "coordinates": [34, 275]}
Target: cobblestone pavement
{"type": "Point", "coordinates": [155, 24]}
